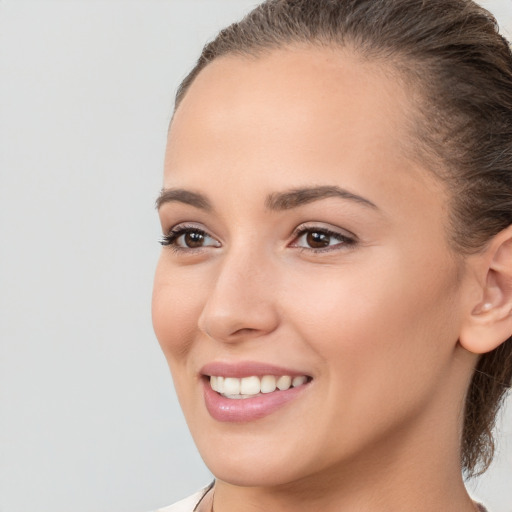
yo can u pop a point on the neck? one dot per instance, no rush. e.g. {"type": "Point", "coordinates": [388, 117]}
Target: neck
{"type": "Point", "coordinates": [357, 492]}
{"type": "Point", "coordinates": [417, 468]}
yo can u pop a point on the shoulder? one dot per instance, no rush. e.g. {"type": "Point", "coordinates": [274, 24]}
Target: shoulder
{"type": "Point", "coordinates": [186, 505]}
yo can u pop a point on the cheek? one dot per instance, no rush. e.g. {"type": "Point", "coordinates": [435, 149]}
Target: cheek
{"type": "Point", "coordinates": [380, 318]}
{"type": "Point", "coordinates": [175, 310]}
{"type": "Point", "coordinates": [383, 338]}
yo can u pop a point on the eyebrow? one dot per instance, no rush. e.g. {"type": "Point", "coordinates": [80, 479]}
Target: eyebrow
{"type": "Point", "coordinates": [183, 196]}
{"type": "Point", "coordinates": [276, 201]}
{"type": "Point", "coordinates": [300, 196]}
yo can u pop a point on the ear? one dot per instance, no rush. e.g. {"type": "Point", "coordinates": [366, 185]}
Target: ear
{"type": "Point", "coordinates": [489, 319]}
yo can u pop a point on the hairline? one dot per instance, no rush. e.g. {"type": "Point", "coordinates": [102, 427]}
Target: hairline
{"type": "Point", "coordinates": [397, 67]}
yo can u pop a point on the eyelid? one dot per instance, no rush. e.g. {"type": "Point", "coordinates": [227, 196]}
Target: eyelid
{"type": "Point", "coordinates": [325, 228]}
{"type": "Point", "coordinates": [178, 230]}
{"type": "Point", "coordinates": [346, 238]}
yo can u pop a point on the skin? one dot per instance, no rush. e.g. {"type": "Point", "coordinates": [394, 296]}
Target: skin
{"type": "Point", "coordinates": [376, 323]}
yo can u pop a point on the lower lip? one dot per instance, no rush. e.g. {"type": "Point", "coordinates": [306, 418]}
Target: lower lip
{"type": "Point", "coordinates": [247, 409]}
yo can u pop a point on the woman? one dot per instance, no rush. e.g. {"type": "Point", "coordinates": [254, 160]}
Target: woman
{"type": "Point", "coordinates": [334, 293]}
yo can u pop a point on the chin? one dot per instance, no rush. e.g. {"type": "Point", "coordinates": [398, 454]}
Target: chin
{"type": "Point", "coordinates": [262, 460]}
{"type": "Point", "coordinates": [253, 474]}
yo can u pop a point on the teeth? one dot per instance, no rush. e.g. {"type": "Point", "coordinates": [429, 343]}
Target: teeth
{"type": "Point", "coordinates": [247, 387]}
{"type": "Point", "coordinates": [231, 386]}
{"type": "Point", "coordinates": [250, 386]}
{"type": "Point", "coordinates": [284, 382]}
{"type": "Point", "coordinates": [298, 381]}
{"type": "Point", "coordinates": [268, 384]}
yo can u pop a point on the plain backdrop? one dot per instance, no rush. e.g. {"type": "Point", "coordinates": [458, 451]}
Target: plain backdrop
{"type": "Point", "coordinates": [88, 417]}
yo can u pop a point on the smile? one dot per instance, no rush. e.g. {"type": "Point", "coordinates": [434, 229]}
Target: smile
{"type": "Point", "coordinates": [248, 387]}
{"type": "Point", "coordinates": [250, 391]}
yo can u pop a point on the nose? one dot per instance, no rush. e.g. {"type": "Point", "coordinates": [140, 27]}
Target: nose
{"type": "Point", "coordinates": [240, 304]}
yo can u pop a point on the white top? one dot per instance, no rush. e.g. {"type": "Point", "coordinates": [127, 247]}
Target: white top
{"type": "Point", "coordinates": [186, 505]}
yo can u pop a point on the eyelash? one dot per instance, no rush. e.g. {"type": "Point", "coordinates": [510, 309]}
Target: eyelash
{"type": "Point", "coordinates": [170, 239]}
{"type": "Point", "coordinates": [174, 234]}
{"type": "Point", "coordinates": [344, 240]}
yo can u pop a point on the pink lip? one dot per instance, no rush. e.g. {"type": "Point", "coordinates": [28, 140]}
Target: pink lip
{"type": "Point", "coordinates": [246, 369]}
{"type": "Point", "coordinates": [247, 409]}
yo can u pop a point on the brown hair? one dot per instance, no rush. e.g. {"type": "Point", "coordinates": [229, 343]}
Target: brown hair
{"type": "Point", "coordinates": [452, 52]}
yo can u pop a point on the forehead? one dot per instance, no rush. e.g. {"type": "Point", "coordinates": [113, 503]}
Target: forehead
{"type": "Point", "coordinates": [295, 117]}
{"type": "Point", "coordinates": [309, 95]}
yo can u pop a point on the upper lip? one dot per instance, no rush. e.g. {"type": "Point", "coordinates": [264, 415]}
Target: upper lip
{"type": "Point", "coordinates": [246, 369]}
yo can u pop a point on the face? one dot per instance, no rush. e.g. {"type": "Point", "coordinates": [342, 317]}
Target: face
{"type": "Point", "coordinates": [302, 245]}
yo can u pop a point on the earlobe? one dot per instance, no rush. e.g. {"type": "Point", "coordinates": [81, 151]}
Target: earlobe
{"type": "Point", "coordinates": [489, 322]}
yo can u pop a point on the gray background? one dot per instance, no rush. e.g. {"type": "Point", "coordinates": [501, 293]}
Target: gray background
{"type": "Point", "coordinates": [88, 419]}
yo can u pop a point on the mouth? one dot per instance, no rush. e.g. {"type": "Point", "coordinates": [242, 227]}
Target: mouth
{"type": "Point", "coordinates": [234, 388]}
{"type": "Point", "coordinates": [249, 391]}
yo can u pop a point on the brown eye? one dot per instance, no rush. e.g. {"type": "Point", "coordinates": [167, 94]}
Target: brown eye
{"type": "Point", "coordinates": [318, 240]}
{"type": "Point", "coordinates": [193, 239]}
{"type": "Point", "coordinates": [183, 238]}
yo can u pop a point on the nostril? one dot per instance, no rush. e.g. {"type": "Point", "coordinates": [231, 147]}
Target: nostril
{"type": "Point", "coordinates": [244, 331]}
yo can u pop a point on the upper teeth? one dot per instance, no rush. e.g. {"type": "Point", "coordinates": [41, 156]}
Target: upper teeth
{"type": "Point", "coordinates": [246, 387]}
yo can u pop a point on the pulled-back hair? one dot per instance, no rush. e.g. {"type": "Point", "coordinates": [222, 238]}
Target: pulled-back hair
{"type": "Point", "coordinates": [451, 53]}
